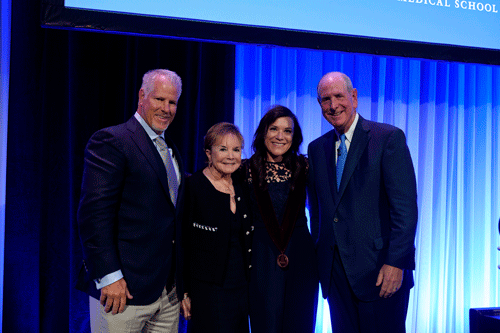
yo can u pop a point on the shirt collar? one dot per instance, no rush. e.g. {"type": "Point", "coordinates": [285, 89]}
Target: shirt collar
{"type": "Point", "coordinates": [152, 134]}
{"type": "Point", "coordinates": [350, 131]}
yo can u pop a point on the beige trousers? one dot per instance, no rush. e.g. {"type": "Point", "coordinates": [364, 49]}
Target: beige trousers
{"type": "Point", "coordinates": [161, 316]}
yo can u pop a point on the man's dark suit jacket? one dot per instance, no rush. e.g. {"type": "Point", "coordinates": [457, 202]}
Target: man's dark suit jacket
{"type": "Point", "coordinates": [373, 217]}
{"type": "Point", "coordinates": [126, 218]}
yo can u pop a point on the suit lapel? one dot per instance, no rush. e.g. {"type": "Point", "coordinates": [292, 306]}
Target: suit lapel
{"type": "Point", "coordinates": [148, 149]}
{"type": "Point", "coordinates": [360, 139]}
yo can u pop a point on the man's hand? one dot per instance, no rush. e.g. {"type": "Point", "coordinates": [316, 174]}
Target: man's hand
{"type": "Point", "coordinates": [114, 297]}
{"type": "Point", "coordinates": [186, 307]}
{"type": "Point", "coordinates": [390, 278]}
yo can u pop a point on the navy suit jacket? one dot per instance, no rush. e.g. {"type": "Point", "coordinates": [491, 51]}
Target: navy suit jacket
{"type": "Point", "coordinates": [126, 218]}
{"type": "Point", "coordinates": [372, 218]}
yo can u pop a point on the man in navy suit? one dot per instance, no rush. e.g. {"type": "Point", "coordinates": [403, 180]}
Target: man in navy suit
{"type": "Point", "coordinates": [129, 216]}
{"type": "Point", "coordinates": [363, 215]}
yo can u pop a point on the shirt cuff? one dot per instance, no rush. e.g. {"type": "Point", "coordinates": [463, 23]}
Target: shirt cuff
{"type": "Point", "coordinates": [108, 279]}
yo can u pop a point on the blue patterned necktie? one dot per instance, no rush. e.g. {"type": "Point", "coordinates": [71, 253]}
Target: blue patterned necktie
{"type": "Point", "coordinates": [173, 184]}
{"type": "Point", "coordinates": [342, 156]}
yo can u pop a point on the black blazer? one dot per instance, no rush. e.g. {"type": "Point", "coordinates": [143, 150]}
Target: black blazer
{"type": "Point", "coordinates": [373, 217]}
{"type": "Point", "coordinates": [126, 218]}
{"type": "Point", "coordinates": [207, 228]}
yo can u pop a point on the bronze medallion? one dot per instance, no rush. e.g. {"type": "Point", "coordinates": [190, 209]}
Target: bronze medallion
{"type": "Point", "coordinates": [282, 260]}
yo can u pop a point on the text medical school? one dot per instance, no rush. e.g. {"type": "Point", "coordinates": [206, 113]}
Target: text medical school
{"type": "Point", "coordinates": [469, 5]}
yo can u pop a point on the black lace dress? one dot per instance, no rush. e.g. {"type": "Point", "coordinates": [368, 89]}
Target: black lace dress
{"type": "Point", "coordinates": [281, 299]}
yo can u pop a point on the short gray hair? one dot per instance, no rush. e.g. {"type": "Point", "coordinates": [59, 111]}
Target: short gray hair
{"type": "Point", "coordinates": [347, 81]}
{"type": "Point", "coordinates": [148, 80]}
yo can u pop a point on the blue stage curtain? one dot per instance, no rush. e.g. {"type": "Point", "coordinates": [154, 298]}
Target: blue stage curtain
{"type": "Point", "coordinates": [5, 9]}
{"type": "Point", "coordinates": [450, 113]}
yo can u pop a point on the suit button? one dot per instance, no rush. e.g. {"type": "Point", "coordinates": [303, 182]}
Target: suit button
{"type": "Point", "coordinates": [249, 250]}
{"type": "Point", "coordinates": [238, 198]}
{"type": "Point", "coordinates": [173, 241]}
{"type": "Point", "coordinates": [335, 220]}
{"type": "Point", "coordinates": [247, 233]}
{"type": "Point", "coordinates": [249, 266]}
{"type": "Point", "coordinates": [244, 216]}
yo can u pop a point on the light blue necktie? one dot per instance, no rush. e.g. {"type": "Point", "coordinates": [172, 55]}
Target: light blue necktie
{"type": "Point", "coordinates": [173, 184]}
{"type": "Point", "coordinates": [342, 156]}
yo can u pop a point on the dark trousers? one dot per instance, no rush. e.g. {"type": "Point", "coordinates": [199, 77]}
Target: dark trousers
{"type": "Point", "coordinates": [350, 315]}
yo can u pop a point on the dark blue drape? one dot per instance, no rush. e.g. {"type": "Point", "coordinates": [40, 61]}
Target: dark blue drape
{"type": "Point", "coordinates": [65, 85]}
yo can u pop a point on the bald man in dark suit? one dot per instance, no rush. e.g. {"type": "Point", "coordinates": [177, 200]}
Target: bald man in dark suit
{"type": "Point", "coordinates": [363, 200]}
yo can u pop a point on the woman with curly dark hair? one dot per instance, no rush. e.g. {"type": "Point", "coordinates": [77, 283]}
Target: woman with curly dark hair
{"type": "Point", "coordinates": [283, 287]}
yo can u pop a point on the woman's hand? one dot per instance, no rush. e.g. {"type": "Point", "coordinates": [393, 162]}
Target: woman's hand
{"type": "Point", "coordinates": [186, 307]}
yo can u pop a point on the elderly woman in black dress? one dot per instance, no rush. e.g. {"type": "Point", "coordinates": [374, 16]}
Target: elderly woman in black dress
{"type": "Point", "coordinates": [283, 290]}
{"type": "Point", "coordinates": [217, 229]}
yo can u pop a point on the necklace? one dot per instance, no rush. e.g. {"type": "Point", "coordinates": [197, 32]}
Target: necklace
{"type": "Point", "coordinates": [225, 185]}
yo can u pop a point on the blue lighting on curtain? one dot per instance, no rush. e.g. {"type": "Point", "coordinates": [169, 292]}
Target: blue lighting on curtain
{"type": "Point", "coordinates": [450, 113]}
{"type": "Point", "coordinates": [5, 11]}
